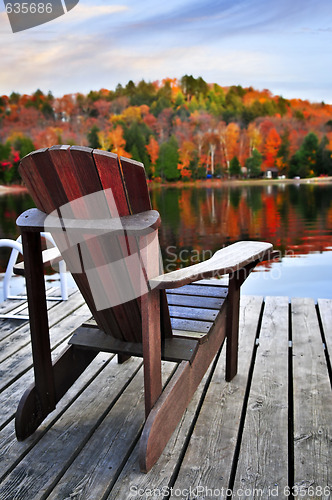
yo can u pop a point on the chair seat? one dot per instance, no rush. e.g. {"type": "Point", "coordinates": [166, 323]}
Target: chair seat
{"type": "Point", "coordinates": [194, 308]}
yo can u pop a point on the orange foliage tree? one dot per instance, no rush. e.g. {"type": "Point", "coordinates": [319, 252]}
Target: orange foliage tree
{"type": "Point", "coordinates": [117, 142]}
{"type": "Point", "coordinates": [153, 151]}
{"type": "Point", "coordinates": [185, 155]}
{"type": "Point", "coordinates": [271, 148]}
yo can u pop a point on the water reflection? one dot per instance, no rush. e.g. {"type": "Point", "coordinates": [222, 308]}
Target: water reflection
{"type": "Point", "coordinates": [297, 219]}
{"type": "Point", "coordinates": [196, 222]}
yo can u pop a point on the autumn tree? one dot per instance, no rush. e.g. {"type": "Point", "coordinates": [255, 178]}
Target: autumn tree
{"type": "Point", "coordinates": [117, 142]}
{"type": "Point", "coordinates": [136, 137]}
{"type": "Point", "coordinates": [304, 162]}
{"type": "Point", "coordinates": [235, 167]}
{"type": "Point", "coordinates": [21, 143]}
{"type": "Point", "coordinates": [185, 156]}
{"type": "Point", "coordinates": [271, 148]}
{"type": "Point", "coordinates": [153, 151]}
{"type": "Point", "coordinates": [283, 155]}
{"type": "Point", "coordinates": [93, 137]}
{"type": "Point", "coordinates": [168, 160]}
{"type": "Point", "coordinates": [254, 163]}
{"type": "Point", "coordinates": [229, 137]}
{"type": "Point", "coordinates": [48, 137]}
{"type": "Point", "coordinates": [324, 158]}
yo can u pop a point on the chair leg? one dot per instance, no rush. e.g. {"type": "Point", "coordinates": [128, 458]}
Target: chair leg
{"type": "Point", "coordinates": [122, 358]}
{"type": "Point", "coordinates": [232, 328]}
{"type": "Point", "coordinates": [168, 410]}
{"type": "Point", "coordinates": [67, 368]}
{"type": "Point", "coordinates": [40, 341]}
{"type": "Point", "coordinates": [151, 338]}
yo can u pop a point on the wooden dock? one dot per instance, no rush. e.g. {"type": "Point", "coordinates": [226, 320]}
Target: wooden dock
{"type": "Point", "coordinates": [267, 434]}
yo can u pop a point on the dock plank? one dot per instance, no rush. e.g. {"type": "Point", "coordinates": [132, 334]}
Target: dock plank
{"type": "Point", "coordinates": [57, 449]}
{"type": "Point", "coordinates": [325, 311]}
{"type": "Point", "coordinates": [97, 466]}
{"type": "Point", "coordinates": [9, 397]}
{"type": "Point", "coordinates": [312, 401]}
{"type": "Point", "coordinates": [131, 480]}
{"type": "Point", "coordinates": [20, 334]}
{"type": "Point", "coordinates": [263, 460]}
{"type": "Point", "coordinates": [209, 457]}
{"type": "Point", "coordinates": [232, 435]}
{"type": "Point", "coordinates": [12, 451]}
{"type": "Point", "coordinates": [19, 362]}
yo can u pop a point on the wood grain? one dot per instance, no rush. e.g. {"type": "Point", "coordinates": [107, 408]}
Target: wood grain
{"type": "Point", "coordinates": [312, 400]}
{"type": "Point", "coordinates": [263, 460]}
{"type": "Point", "coordinates": [228, 260]}
{"type": "Point", "coordinates": [209, 457]}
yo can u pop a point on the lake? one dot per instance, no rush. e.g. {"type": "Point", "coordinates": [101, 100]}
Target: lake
{"type": "Point", "coordinates": [197, 221]}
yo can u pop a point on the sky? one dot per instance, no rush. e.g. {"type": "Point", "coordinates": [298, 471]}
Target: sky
{"type": "Point", "coordinates": [284, 46]}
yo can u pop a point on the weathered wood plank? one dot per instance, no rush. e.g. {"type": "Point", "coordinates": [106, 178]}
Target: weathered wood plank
{"type": "Point", "coordinates": [312, 401]}
{"type": "Point", "coordinates": [325, 310]}
{"type": "Point", "coordinates": [9, 398]}
{"type": "Point", "coordinates": [228, 260]}
{"type": "Point", "coordinates": [8, 326]}
{"type": "Point", "coordinates": [201, 337]}
{"type": "Point", "coordinates": [202, 290]}
{"type": "Point", "coordinates": [12, 451]}
{"type": "Point", "coordinates": [263, 459]}
{"type": "Point", "coordinates": [10, 305]}
{"type": "Point", "coordinates": [192, 301]}
{"type": "Point", "coordinates": [209, 457]}
{"type": "Point", "coordinates": [193, 313]}
{"type": "Point", "coordinates": [18, 308]}
{"type": "Point", "coordinates": [19, 362]}
{"type": "Point", "coordinates": [172, 349]}
{"type": "Point", "coordinates": [19, 336]}
{"type": "Point", "coordinates": [56, 450]}
{"type": "Point", "coordinates": [189, 325]}
{"type": "Point", "coordinates": [94, 470]}
{"type": "Point", "coordinates": [131, 480]}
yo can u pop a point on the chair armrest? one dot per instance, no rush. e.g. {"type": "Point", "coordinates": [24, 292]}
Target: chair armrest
{"type": "Point", "coordinates": [228, 260]}
{"type": "Point", "coordinates": [137, 224]}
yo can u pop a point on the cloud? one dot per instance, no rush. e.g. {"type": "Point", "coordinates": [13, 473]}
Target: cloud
{"type": "Point", "coordinates": [87, 13]}
{"type": "Point", "coordinates": [220, 17]}
{"type": "Point", "coordinates": [262, 43]}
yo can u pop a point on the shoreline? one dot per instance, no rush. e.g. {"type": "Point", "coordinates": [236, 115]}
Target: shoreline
{"type": "Point", "coordinates": [240, 182]}
{"type": "Point", "coordinates": [16, 189]}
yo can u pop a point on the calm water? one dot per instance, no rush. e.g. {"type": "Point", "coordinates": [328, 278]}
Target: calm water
{"type": "Point", "coordinates": [297, 219]}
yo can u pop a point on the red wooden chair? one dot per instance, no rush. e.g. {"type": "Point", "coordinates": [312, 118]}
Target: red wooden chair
{"type": "Point", "coordinates": [170, 317]}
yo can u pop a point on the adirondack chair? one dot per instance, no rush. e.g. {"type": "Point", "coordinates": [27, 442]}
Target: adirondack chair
{"type": "Point", "coordinates": [168, 317]}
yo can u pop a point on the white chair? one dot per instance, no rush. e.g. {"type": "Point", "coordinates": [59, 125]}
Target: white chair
{"type": "Point", "coordinates": [13, 268]}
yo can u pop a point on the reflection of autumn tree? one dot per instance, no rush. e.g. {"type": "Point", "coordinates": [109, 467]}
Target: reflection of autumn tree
{"type": "Point", "coordinates": [297, 219]}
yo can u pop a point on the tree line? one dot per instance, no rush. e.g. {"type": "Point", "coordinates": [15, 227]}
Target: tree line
{"type": "Point", "coordinates": [180, 129]}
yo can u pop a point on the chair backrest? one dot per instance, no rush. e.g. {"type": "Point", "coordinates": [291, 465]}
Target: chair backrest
{"type": "Point", "coordinates": [61, 174]}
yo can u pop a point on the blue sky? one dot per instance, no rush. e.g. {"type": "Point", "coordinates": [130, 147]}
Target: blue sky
{"type": "Point", "coordinates": [285, 46]}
